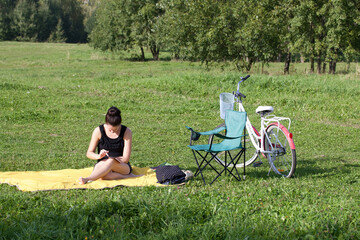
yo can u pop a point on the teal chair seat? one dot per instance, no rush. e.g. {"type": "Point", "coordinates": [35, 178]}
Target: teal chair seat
{"type": "Point", "coordinates": [217, 147]}
{"type": "Point", "coordinates": [235, 123]}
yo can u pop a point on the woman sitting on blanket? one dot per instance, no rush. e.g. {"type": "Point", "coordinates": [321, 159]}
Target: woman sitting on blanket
{"type": "Point", "coordinates": [113, 141]}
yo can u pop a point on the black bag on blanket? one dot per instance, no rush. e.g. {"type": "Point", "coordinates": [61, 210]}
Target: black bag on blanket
{"type": "Point", "coordinates": [170, 175]}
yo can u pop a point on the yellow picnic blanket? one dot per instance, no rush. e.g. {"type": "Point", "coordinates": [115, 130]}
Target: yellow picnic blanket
{"type": "Point", "coordinates": [68, 179]}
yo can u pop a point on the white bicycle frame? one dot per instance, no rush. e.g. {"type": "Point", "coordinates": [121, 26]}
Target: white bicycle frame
{"type": "Point", "coordinates": [265, 121]}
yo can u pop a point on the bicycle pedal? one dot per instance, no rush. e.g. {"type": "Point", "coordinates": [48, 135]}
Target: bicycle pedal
{"type": "Point", "coordinates": [257, 164]}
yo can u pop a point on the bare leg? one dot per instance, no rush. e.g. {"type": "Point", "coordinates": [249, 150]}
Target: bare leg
{"type": "Point", "coordinates": [100, 170]}
{"type": "Point", "coordinates": [115, 176]}
{"type": "Point", "coordinates": [119, 171]}
{"type": "Point", "coordinates": [109, 169]}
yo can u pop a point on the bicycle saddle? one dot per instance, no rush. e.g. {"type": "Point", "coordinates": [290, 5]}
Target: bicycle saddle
{"type": "Point", "coordinates": [265, 109]}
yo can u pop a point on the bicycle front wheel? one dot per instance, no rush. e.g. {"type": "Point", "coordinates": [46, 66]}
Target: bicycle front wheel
{"type": "Point", "coordinates": [282, 156]}
{"type": "Point", "coordinates": [251, 154]}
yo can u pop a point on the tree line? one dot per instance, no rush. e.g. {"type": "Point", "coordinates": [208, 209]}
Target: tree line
{"type": "Point", "coordinates": [46, 20]}
{"type": "Point", "coordinates": [241, 32]}
{"type": "Point", "coordinates": [237, 31]}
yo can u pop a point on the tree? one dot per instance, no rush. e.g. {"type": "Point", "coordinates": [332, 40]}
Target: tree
{"type": "Point", "coordinates": [125, 24]}
{"type": "Point", "coordinates": [146, 27]}
{"type": "Point", "coordinates": [283, 14]}
{"type": "Point", "coordinates": [6, 15]}
{"type": "Point", "coordinates": [25, 20]}
{"type": "Point", "coordinates": [90, 7]}
{"type": "Point", "coordinates": [326, 30]}
{"type": "Point", "coordinates": [35, 20]}
{"type": "Point", "coordinates": [235, 31]}
{"type": "Point", "coordinates": [72, 17]}
{"type": "Point", "coordinates": [257, 34]}
{"type": "Point", "coordinates": [58, 34]}
{"type": "Point", "coordinates": [341, 25]}
{"type": "Point", "coordinates": [44, 22]}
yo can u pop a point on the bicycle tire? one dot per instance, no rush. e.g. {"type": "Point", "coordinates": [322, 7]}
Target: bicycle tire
{"type": "Point", "coordinates": [283, 158]}
{"type": "Point", "coordinates": [250, 151]}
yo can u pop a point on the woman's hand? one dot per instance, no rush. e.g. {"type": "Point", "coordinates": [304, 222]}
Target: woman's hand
{"type": "Point", "coordinates": [103, 153]}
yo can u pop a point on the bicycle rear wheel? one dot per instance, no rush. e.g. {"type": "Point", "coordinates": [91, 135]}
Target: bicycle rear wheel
{"type": "Point", "coordinates": [250, 154]}
{"type": "Point", "coordinates": [282, 158]}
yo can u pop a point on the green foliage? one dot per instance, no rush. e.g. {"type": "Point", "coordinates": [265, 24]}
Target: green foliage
{"type": "Point", "coordinates": [58, 34]}
{"type": "Point", "coordinates": [325, 30]}
{"type": "Point", "coordinates": [6, 12]}
{"type": "Point", "coordinates": [125, 24]}
{"type": "Point", "coordinates": [238, 32]}
{"type": "Point", "coordinates": [257, 36]}
{"type": "Point", "coordinates": [53, 95]}
{"type": "Point", "coordinates": [218, 31]}
{"type": "Point", "coordinates": [112, 31]}
{"type": "Point", "coordinates": [90, 14]}
{"type": "Point", "coordinates": [244, 32]}
{"type": "Point", "coordinates": [36, 20]}
{"type": "Point", "coordinates": [72, 17]}
{"type": "Point", "coordinates": [25, 17]}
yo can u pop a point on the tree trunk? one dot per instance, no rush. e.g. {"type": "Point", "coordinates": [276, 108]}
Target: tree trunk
{"type": "Point", "coordinates": [324, 67]}
{"type": "Point", "coordinates": [313, 53]}
{"type": "Point", "coordinates": [156, 55]}
{"type": "Point", "coordinates": [177, 56]}
{"type": "Point", "coordinates": [155, 52]}
{"type": "Point", "coordinates": [330, 67]}
{"type": "Point", "coordinates": [319, 64]}
{"type": "Point", "coordinates": [287, 63]}
{"type": "Point", "coordinates": [142, 54]}
{"type": "Point", "coordinates": [249, 64]}
{"type": "Point", "coordinates": [312, 64]}
{"type": "Point", "coordinates": [332, 64]}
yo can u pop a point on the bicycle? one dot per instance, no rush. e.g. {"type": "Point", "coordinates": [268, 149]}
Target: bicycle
{"type": "Point", "coordinates": [274, 141]}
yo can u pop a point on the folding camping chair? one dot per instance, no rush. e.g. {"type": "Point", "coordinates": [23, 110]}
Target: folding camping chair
{"type": "Point", "coordinates": [235, 131]}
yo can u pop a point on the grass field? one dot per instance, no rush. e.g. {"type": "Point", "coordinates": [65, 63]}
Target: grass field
{"type": "Point", "coordinates": [52, 96]}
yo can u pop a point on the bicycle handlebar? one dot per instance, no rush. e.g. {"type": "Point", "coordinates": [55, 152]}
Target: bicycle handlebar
{"type": "Point", "coordinates": [244, 78]}
{"type": "Point", "coordinates": [239, 94]}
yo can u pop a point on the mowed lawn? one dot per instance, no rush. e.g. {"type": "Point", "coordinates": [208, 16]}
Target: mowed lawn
{"type": "Point", "coordinates": [52, 96]}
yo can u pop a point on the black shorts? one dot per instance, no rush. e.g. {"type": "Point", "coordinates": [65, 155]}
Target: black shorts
{"type": "Point", "coordinates": [128, 163]}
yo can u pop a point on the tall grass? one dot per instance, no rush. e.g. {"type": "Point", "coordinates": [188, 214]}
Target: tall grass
{"type": "Point", "coordinates": [52, 96]}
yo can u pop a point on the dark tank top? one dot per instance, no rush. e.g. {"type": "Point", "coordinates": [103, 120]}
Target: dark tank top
{"type": "Point", "coordinates": [115, 146]}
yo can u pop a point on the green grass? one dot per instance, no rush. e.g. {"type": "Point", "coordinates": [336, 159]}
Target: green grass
{"type": "Point", "coordinates": [52, 96]}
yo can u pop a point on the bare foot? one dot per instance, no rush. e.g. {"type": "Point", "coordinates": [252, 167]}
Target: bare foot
{"type": "Point", "coordinates": [83, 180]}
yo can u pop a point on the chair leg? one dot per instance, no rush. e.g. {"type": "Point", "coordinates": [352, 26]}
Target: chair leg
{"type": "Point", "coordinates": [225, 166]}
{"type": "Point", "coordinates": [199, 165]}
{"type": "Point", "coordinates": [234, 161]}
{"type": "Point", "coordinates": [200, 168]}
{"type": "Point", "coordinates": [213, 156]}
{"type": "Point", "coordinates": [244, 152]}
{"type": "Point", "coordinates": [226, 153]}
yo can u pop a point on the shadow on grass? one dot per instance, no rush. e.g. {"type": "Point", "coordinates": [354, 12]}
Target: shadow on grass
{"type": "Point", "coordinates": [327, 167]}
{"type": "Point", "coordinates": [250, 172]}
{"type": "Point", "coordinates": [305, 168]}
{"type": "Point", "coordinates": [138, 59]}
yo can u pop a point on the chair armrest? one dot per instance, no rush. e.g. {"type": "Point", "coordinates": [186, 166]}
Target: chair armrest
{"type": "Point", "coordinates": [196, 135]}
{"type": "Point", "coordinates": [214, 131]}
{"type": "Point", "coordinates": [211, 132]}
{"type": "Point", "coordinates": [226, 137]}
